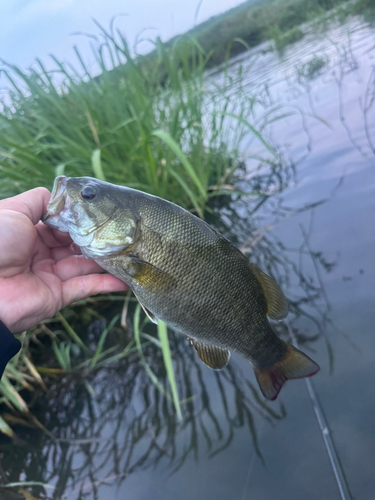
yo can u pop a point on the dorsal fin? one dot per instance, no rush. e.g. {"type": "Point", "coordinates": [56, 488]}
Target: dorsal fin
{"type": "Point", "coordinates": [277, 305]}
{"type": "Point", "coordinates": [212, 356]}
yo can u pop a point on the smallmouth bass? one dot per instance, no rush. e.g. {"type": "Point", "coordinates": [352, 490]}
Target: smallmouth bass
{"type": "Point", "coordinates": [183, 272]}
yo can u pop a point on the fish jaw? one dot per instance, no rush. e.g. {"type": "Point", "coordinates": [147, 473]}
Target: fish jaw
{"type": "Point", "coordinates": [56, 205]}
{"type": "Point", "coordinates": [60, 214]}
{"type": "Point", "coordinates": [66, 213]}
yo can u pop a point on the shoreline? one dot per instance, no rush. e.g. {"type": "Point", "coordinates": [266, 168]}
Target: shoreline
{"type": "Point", "coordinates": [251, 23]}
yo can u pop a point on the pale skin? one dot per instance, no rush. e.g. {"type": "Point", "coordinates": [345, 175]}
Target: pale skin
{"type": "Point", "coordinates": [41, 270]}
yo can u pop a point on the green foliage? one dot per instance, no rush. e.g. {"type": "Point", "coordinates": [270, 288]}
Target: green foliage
{"type": "Point", "coordinates": [121, 125]}
{"type": "Point", "coordinates": [365, 7]}
{"type": "Point", "coordinates": [147, 124]}
{"type": "Point", "coordinates": [252, 23]}
{"type": "Point", "coordinates": [62, 353]}
{"type": "Point", "coordinates": [312, 68]}
{"type": "Point", "coordinates": [167, 357]}
{"type": "Point", "coordinates": [138, 334]}
{"type": "Point", "coordinates": [281, 39]}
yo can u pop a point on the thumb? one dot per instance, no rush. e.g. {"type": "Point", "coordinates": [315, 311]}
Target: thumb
{"type": "Point", "coordinates": [32, 203]}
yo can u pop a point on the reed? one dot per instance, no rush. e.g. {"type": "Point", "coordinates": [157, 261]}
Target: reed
{"type": "Point", "coordinates": [153, 127]}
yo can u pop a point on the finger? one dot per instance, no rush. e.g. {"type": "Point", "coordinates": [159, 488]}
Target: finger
{"type": "Point", "coordinates": [52, 237]}
{"type": "Point", "coordinates": [75, 265]}
{"type": "Point", "coordinates": [63, 252]}
{"type": "Point", "coordinates": [32, 203]}
{"type": "Point", "coordinates": [93, 284]}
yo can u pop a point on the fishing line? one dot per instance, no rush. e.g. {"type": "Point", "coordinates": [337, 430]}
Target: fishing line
{"type": "Point", "coordinates": [326, 433]}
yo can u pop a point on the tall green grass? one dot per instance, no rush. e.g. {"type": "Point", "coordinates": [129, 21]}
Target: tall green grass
{"type": "Point", "coordinates": [153, 126]}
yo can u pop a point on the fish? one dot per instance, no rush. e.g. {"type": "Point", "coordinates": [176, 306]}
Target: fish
{"type": "Point", "coordinates": [182, 272]}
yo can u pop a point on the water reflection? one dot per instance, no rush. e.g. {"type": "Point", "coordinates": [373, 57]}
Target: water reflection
{"type": "Point", "coordinates": [129, 426]}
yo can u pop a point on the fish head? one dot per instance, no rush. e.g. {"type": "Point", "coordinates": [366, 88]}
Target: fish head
{"type": "Point", "coordinates": [97, 220]}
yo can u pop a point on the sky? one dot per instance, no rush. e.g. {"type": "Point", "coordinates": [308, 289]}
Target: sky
{"type": "Point", "coordinates": [37, 28]}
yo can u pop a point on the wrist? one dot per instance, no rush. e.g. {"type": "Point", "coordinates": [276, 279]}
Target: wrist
{"type": "Point", "coordinates": [6, 320]}
{"type": "Point", "coordinates": [14, 315]}
{"type": "Point", "coordinates": [9, 346]}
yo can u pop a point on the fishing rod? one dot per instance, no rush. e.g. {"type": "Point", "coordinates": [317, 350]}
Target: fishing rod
{"type": "Point", "coordinates": [334, 459]}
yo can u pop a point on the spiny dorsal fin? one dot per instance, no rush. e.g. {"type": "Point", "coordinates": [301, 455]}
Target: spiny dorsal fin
{"type": "Point", "coordinates": [148, 313]}
{"type": "Point", "coordinates": [212, 356]}
{"type": "Point", "coordinates": [277, 305]}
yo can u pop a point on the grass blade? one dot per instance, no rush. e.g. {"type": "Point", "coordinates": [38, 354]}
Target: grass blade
{"type": "Point", "coordinates": [29, 483]}
{"type": "Point", "coordinates": [71, 332]}
{"type": "Point", "coordinates": [62, 353]}
{"type": "Point", "coordinates": [180, 155]}
{"type": "Point", "coordinates": [102, 340]}
{"type": "Point", "coordinates": [188, 191]}
{"type": "Point", "coordinates": [12, 395]}
{"type": "Point", "coordinates": [137, 338]}
{"type": "Point", "coordinates": [5, 429]}
{"type": "Point", "coordinates": [165, 349]}
{"type": "Point", "coordinates": [97, 165]}
{"type": "Point", "coordinates": [250, 127]}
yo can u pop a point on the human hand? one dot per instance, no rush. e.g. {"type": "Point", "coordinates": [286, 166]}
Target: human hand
{"type": "Point", "coordinates": [41, 270]}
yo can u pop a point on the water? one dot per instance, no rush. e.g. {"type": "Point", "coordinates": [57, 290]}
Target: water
{"type": "Point", "coordinates": [315, 233]}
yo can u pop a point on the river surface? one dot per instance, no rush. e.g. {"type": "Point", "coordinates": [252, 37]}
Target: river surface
{"type": "Point", "coordinates": [118, 438]}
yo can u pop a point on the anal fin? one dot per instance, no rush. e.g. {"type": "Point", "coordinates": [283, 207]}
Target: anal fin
{"type": "Point", "coordinates": [212, 356]}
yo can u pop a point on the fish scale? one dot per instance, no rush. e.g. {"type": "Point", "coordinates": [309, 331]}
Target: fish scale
{"type": "Point", "coordinates": [218, 289]}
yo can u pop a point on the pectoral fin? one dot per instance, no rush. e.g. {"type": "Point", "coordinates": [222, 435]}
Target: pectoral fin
{"type": "Point", "coordinates": [277, 305]}
{"type": "Point", "coordinates": [212, 356]}
{"type": "Point", "coordinates": [147, 275]}
{"type": "Point", "coordinates": [148, 313]}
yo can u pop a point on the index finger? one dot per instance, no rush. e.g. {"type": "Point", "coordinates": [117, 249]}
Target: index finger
{"type": "Point", "coordinates": [32, 203]}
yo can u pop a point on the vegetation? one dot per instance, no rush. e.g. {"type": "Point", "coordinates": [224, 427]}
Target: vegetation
{"type": "Point", "coordinates": [125, 129]}
{"type": "Point", "coordinates": [312, 68]}
{"type": "Point", "coordinates": [254, 22]}
{"type": "Point", "coordinates": [281, 40]}
{"type": "Point", "coordinates": [365, 7]}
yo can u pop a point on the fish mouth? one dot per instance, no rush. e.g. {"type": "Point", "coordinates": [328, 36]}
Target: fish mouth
{"type": "Point", "coordinates": [58, 198]}
{"type": "Point", "coordinates": [57, 215]}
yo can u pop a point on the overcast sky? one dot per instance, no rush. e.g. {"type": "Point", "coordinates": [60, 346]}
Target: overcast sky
{"type": "Point", "coordinates": [36, 28]}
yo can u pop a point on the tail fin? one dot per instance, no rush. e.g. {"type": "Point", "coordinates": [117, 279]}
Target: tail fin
{"type": "Point", "coordinates": [294, 364]}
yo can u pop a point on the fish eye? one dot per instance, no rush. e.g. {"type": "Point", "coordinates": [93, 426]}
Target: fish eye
{"type": "Point", "coordinates": [88, 192]}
